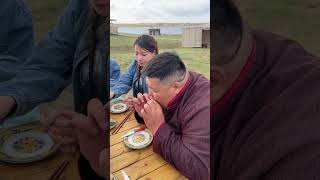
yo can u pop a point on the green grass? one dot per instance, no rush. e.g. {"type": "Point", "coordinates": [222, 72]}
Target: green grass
{"type": "Point", "coordinates": [295, 19]}
{"type": "Point", "coordinates": [45, 15]}
{"type": "Point", "coordinates": [196, 59]}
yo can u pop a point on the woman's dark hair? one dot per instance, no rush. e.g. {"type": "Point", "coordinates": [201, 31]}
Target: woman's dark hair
{"type": "Point", "coordinates": [147, 42]}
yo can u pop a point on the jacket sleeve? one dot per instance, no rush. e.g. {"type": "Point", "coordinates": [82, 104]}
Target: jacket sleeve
{"type": "Point", "coordinates": [124, 84]}
{"type": "Point", "coordinates": [114, 72]}
{"type": "Point", "coordinates": [21, 32]}
{"type": "Point", "coordinates": [189, 151]}
{"type": "Point", "coordinates": [49, 69]}
{"type": "Point", "coordinates": [16, 36]}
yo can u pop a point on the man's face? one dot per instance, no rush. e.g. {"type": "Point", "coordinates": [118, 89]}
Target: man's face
{"type": "Point", "coordinates": [101, 7]}
{"type": "Point", "coordinates": [162, 92]}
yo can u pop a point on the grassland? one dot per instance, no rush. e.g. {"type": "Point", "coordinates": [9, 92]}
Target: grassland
{"type": "Point", "coordinates": [196, 59]}
{"type": "Point", "coordinates": [295, 19]}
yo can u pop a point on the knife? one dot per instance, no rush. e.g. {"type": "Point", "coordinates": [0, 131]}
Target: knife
{"type": "Point", "coordinates": [125, 175]}
{"type": "Point", "coordinates": [134, 131]}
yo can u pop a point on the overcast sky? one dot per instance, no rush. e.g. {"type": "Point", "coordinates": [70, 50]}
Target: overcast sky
{"type": "Point", "coordinates": [149, 11]}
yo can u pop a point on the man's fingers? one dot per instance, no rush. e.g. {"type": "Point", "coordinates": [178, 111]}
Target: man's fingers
{"type": "Point", "coordinates": [147, 108]}
{"type": "Point", "coordinates": [54, 115]}
{"type": "Point", "coordinates": [62, 131]}
{"type": "Point", "coordinates": [62, 122]}
{"type": "Point", "coordinates": [141, 98]}
{"type": "Point", "coordinates": [154, 104]}
{"type": "Point", "coordinates": [143, 113]}
{"type": "Point", "coordinates": [146, 96]}
{"type": "Point", "coordinates": [97, 113]}
{"type": "Point", "coordinates": [85, 125]}
{"type": "Point", "coordinates": [136, 101]}
{"type": "Point", "coordinates": [68, 148]}
{"type": "Point", "coordinates": [62, 140]}
{"type": "Point", "coordinates": [107, 107]}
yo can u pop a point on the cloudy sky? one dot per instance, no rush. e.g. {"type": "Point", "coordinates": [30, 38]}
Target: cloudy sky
{"type": "Point", "coordinates": [146, 11]}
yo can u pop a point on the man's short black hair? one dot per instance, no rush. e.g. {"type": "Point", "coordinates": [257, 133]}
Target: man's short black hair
{"type": "Point", "coordinates": [164, 65]}
{"type": "Point", "coordinates": [225, 14]}
{"type": "Point", "coordinates": [227, 31]}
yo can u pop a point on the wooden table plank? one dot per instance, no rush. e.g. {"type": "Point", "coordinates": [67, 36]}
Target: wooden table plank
{"type": "Point", "coordinates": [142, 167]}
{"type": "Point", "coordinates": [164, 172]}
{"type": "Point", "coordinates": [41, 169]}
{"type": "Point", "coordinates": [129, 158]}
{"type": "Point", "coordinates": [118, 149]}
{"type": "Point", "coordinates": [120, 117]}
{"type": "Point", "coordinates": [127, 126]}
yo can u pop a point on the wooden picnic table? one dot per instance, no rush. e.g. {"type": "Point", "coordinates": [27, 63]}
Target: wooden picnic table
{"type": "Point", "coordinates": [40, 170]}
{"type": "Point", "coordinates": [138, 164]}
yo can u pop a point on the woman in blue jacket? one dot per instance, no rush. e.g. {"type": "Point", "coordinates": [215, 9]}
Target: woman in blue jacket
{"type": "Point", "coordinates": [16, 36]}
{"type": "Point", "coordinates": [145, 48]}
{"type": "Point", "coordinates": [114, 72]}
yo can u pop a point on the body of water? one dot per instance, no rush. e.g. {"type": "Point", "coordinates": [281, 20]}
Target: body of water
{"type": "Point", "coordinates": [145, 30]}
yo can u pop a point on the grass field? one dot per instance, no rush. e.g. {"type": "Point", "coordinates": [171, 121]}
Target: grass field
{"type": "Point", "coordinates": [196, 59]}
{"type": "Point", "coordinates": [45, 15]}
{"type": "Point", "coordinates": [296, 19]}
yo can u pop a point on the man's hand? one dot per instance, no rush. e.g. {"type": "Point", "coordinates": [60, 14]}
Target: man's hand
{"type": "Point", "coordinates": [59, 126]}
{"type": "Point", "coordinates": [140, 101]}
{"type": "Point", "coordinates": [7, 103]}
{"type": "Point", "coordinates": [92, 135]}
{"type": "Point", "coordinates": [104, 163]}
{"type": "Point", "coordinates": [153, 115]}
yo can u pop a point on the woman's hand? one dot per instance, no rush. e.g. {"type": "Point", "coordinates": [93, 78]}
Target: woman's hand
{"type": "Point", "coordinates": [7, 103]}
{"type": "Point", "coordinates": [59, 126]}
{"type": "Point", "coordinates": [129, 102]}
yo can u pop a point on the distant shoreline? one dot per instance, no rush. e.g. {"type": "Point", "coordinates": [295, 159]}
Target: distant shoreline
{"type": "Point", "coordinates": [161, 24]}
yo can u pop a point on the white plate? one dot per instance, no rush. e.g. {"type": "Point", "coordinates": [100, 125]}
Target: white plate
{"type": "Point", "coordinates": [118, 108]}
{"type": "Point", "coordinates": [112, 177]}
{"type": "Point", "coordinates": [27, 146]}
{"type": "Point", "coordinates": [139, 140]}
{"type": "Point", "coordinates": [113, 123]}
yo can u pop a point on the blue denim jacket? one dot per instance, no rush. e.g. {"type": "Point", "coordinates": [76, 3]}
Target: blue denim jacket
{"type": "Point", "coordinates": [53, 62]}
{"type": "Point", "coordinates": [114, 72]}
{"type": "Point", "coordinates": [16, 36]}
{"type": "Point", "coordinates": [127, 80]}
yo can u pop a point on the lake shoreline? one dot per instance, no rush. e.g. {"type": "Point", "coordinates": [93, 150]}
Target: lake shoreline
{"type": "Point", "coordinates": [161, 24]}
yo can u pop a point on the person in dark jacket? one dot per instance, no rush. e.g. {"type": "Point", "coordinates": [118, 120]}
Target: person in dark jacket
{"type": "Point", "coordinates": [265, 103]}
{"type": "Point", "coordinates": [176, 110]}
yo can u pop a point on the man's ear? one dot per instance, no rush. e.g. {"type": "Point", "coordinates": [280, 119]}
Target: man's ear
{"type": "Point", "coordinates": [217, 76]}
{"type": "Point", "coordinates": [177, 86]}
